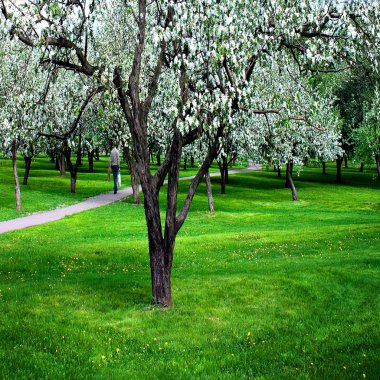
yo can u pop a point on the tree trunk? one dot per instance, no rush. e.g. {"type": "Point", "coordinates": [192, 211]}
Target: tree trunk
{"type": "Point", "coordinates": [161, 254]}
{"type": "Point", "coordinates": [289, 180]}
{"type": "Point", "coordinates": [377, 158]}
{"type": "Point", "coordinates": [72, 168]}
{"type": "Point", "coordinates": [289, 167]}
{"type": "Point", "coordinates": [91, 161]}
{"type": "Point", "coordinates": [339, 162]}
{"type": "Point", "coordinates": [185, 162]}
{"type": "Point", "coordinates": [79, 152]}
{"type": "Point", "coordinates": [134, 176]}
{"type": "Point", "coordinates": [209, 192]}
{"type": "Point", "coordinates": [28, 163]}
{"type": "Point", "coordinates": [73, 182]}
{"type": "Point", "coordinates": [324, 167]}
{"type": "Point", "coordinates": [345, 161]}
{"type": "Point", "coordinates": [192, 161]}
{"type": "Point", "coordinates": [225, 166]}
{"type": "Point", "coordinates": [15, 175]}
{"type": "Point", "coordinates": [361, 169]}
{"type": "Point", "coordinates": [278, 171]}
{"type": "Point", "coordinates": [158, 158]}
{"type": "Point", "coordinates": [161, 275]}
{"type": "Point", "coordinates": [135, 185]}
{"type": "Point", "coordinates": [222, 179]}
{"type": "Point", "coordinates": [97, 152]}
{"type": "Point", "coordinates": [61, 162]}
{"type": "Point", "coordinates": [57, 162]}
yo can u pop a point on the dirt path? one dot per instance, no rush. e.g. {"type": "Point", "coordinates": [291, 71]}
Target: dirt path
{"type": "Point", "coordinates": [43, 217]}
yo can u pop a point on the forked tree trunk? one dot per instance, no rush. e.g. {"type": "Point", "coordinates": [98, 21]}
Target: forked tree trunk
{"type": "Point", "coordinates": [324, 167]}
{"type": "Point", "coordinates": [73, 169]}
{"type": "Point", "coordinates": [91, 154]}
{"type": "Point", "coordinates": [339, 162]}
{"type": "Point", "coordinates": [377, 158]}
{"type": "Point", "coordinates": [15, 175]}
{"type": "Point", "coordinates": [160, 247]}
{"type": "Point", "coordinates": [209, 192]}
{"type": "Point", "coordinates": [361, 169]}
{"type": "Point", "coordinates": [289, 180]}
{"type": "Point", "coordinates": [28, 163]}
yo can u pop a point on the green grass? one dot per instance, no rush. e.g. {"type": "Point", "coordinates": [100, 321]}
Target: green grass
{"type": "Point", "coordinates": [266, 288]}
{"type": "Point", "coordinates": [47, 190]}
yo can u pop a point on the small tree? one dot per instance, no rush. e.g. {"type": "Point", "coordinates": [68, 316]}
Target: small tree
{"type": "Point", "coordinates": [367, 136]}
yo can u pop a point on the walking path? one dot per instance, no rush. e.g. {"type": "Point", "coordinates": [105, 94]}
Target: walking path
{"type": "Point", "coordinates": [43, 217]}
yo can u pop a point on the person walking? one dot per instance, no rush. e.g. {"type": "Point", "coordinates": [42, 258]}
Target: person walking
{"type": "Point", "coordinates": [114, 164]}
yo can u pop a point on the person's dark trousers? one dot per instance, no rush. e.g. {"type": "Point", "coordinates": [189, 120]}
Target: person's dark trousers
{"type": "Point", "coordinates": [115, 171]}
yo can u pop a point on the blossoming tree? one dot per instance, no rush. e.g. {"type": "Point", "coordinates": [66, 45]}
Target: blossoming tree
{"type": "Point", "coordinates": [206, 52]}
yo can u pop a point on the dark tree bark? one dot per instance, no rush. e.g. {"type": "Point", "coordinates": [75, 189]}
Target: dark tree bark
{"type": "Point", "coordinates": [57, 161]}
{"type": "Point", "coordinates": [28, 163]}
{"type": "Point", "coordinates": [223, 168]}
{"type": "Point", "coordinates": [134, 176]}
{"type": "Point", "coordinates": [324, 167]}
{"type": "Point", "coordinates": [377, 158]}
{"type": "Point", "coordinates": [158, 158]}
{"type": "Point", "coordinates": [289, 167]}
{"type": "Point", "coordinates": [15, 176]}
{"type": "Point", "coordinates": [361, 169]}
{"type": "Point", "coordinates": [185, 162]}
{"type": "Point", "coordinates": [278, 171]}
{"type": "Point", "coordinates": [339, 162]}
{"type": "Point", "coordinates": [91, 155]}
{"type": "Point", "coordinates": [192, 161]}
{"type": "Point", "coordinates": [79, 152]}
{"type": "Point", "coordinates": [209, 192]}
{"type": "Point", "coordinates": [289, 180]}
{"type": "Point", "coordinates": [73, 168]}
{"type": "Point", "coordinates": [97, 154]}
{"type": "Point", "coordinates": [345, 161]}
{"type": "Point", "coordinates": [62, 166]}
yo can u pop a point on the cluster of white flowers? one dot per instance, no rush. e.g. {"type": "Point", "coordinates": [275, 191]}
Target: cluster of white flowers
{"type": "Point", "coordinates": [234, 58]}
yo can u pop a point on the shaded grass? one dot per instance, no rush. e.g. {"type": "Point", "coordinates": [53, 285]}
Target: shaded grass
{"type": "Point", "coordinates": [265, 289]}
{"type": "Point", "coordinates": [47, 190]}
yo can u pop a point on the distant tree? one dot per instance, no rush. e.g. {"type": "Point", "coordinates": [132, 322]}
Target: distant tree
{"type": "Point", "coordinates": [367, 136]}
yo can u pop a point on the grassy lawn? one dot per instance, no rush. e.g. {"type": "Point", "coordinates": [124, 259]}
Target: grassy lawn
{"type": "Point", "coordinates": [266, 288]}
{"type": "Point", "coordinates": [47, 190]}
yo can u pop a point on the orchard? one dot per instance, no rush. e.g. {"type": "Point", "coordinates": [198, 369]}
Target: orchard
{"type": "Point", "coordinates": [189, 90]}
